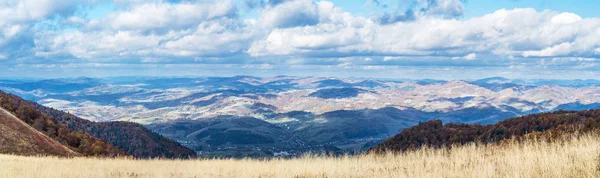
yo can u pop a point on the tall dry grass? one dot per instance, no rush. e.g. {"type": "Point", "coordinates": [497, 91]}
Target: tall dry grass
{"type": "Point", "coordinates": [574, 157]}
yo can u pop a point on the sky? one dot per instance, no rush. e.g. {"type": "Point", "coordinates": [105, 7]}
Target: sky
{"type": "Point", "coordinates": [409, 39]}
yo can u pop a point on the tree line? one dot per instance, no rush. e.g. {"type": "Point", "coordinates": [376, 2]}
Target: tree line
{"type": "Point", "coordinates": [550, 126]}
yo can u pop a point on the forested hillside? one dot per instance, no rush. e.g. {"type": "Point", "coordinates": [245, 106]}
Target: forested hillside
{"type": "Point", "coordinates": [131, 137]}
{"type": "Point", "coordinates": [18, 138]}
{"type": "Point", "coordinates": [79, 142]}
{"type": "Point", "coordinates": [78, 133]}
{"type": "Point", "coordinates": [545, 125]}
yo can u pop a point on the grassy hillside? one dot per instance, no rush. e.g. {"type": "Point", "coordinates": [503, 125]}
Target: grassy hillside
{"type": "Point", "coordinates": [546, 125]}
{"type": "Point", "coordinates": [79, 142]}
{"type": "Point", "coordinates": [18, 138]}
{"type": "Point", "coordinates": [81, 134]}
{"type": "Point", "coordinates": [567, 157]}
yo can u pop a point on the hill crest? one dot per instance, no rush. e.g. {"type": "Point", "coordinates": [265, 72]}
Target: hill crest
{"type": "Point", "coordinates": [545, 125]}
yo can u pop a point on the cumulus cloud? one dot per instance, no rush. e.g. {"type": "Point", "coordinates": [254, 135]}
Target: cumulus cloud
{"type": "Point", "coordinates": [156, 30]}
{"type": "Point", "coordinates": [295, 13]}
{"type": "Point", "coordinates": [518, 32]}
{"type": "Point", "coordinates": [565, 18]}
{"type": "Point", "coordinates": [28, 10]}
{"type": "Point", "coordinates": [18, 18]}
{"type": "Point", "coordinates": [166, 16]}
{"type": "Point", "coordinates": [291, 14]}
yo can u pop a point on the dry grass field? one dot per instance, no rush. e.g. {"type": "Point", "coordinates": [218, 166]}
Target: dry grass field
{"type": "Point", "coordinates": [574, 157]}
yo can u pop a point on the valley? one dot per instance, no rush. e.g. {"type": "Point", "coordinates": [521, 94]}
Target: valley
{"type": "Point", "coordinates": [244, 116]}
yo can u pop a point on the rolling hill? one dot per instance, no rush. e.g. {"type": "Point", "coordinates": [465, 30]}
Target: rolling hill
{"type": "Point", "coordinates": [546, 126]}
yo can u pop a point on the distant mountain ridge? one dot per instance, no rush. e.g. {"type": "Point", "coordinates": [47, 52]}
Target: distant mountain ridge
{"type": "Point", "coordinates": [206, 97]}
{"type": "Point", "coordinates": [347, 113]}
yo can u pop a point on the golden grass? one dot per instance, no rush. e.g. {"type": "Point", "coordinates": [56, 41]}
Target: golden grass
{"type": "Point", "coordinates": [574, 157]}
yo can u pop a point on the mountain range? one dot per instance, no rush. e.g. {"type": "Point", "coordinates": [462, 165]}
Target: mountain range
{"type": "Point", "coordinates": [254, 116]}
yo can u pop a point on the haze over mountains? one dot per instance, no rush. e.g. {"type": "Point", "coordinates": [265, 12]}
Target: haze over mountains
{"type": "Point", "coordinates": [260, 116]}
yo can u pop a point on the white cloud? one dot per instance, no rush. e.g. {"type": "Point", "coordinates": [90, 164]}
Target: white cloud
{"type": "Point", "coordinates": [390, 58]}
{"type": "Point", "coordinates": [75, 20]}
{"type": "Point", "coordinates": [98, 44]}
{"type": "Point", "coordinates": [468, 57]}
{"type": "Point", "coordinates": [11, 31]}
{"type": "Point", "coordinates": [556, 50]}
{"type": "Point", "coordinates": [167, 16]}
{"type": "Point", "coordinates": [296, 32]}
{"type": "Point", "coordinates": [518, 32]}
{"type": "Point", "coordinates": [17, 18]}
{"type": "Point", "coordinates": [290, 14]}
{"type": "Point", "coordinates": [156, 30]}
{"type": "Point", "coordinates": [565, 18]}
{"type": "Point", "coordinates": [27, 10]}
{"type": "Point", "coordinates": [471, 56]}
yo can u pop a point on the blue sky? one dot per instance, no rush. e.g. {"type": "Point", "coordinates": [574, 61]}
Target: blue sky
{"type": "Point", "coordinates": [441, 39]}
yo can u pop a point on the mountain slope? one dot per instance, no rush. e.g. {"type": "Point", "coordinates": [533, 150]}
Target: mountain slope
{"type": "Point", "coordinates": [133, 138]}
{"type": "Point", "coordinates": [16, 137]}
{"type": "Point", "coordinates": [79, 142]}
{"type": "Point", "coordinates": [545, 125]}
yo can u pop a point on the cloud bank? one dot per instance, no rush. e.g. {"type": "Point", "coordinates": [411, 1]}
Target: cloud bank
{"type": "Point", "coordinates": [289, 34]}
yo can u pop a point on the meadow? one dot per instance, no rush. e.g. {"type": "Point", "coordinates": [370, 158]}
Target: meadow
{"type": "Point", "coordinates": [572, 157]}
